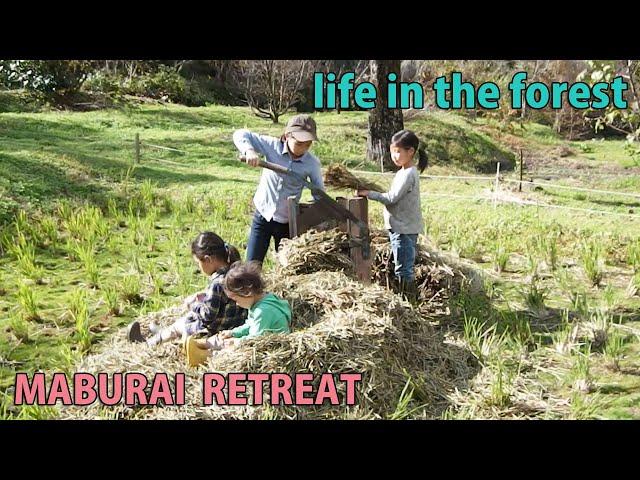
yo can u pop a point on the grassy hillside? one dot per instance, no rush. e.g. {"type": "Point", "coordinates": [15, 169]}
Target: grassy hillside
{"type": "Point", "coordinates": [89, 241]}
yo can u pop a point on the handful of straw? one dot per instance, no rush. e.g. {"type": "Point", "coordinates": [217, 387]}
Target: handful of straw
{"type": "Point", "coordinates": [338, 176]}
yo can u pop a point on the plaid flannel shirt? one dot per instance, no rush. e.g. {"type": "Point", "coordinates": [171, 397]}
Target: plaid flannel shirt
{"type": "Point", "coordinates": [216, 311]}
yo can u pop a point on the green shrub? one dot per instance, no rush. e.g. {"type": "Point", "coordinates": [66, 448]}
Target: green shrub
{"type": "Point", "coordinates": [165, 83]}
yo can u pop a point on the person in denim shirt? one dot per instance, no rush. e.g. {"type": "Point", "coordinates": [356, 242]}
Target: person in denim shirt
{"type": "Point", "coordinates": [291, 150]}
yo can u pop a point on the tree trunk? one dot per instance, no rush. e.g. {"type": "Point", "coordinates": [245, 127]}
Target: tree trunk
{"type": "Point", "coordinates": [383, 121]}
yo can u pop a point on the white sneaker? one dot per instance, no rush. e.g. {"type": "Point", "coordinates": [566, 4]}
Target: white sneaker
{"type": "Point", "coordinates": [154, 327]}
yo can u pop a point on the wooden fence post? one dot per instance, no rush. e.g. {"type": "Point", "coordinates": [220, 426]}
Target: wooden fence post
{"type": "Point", "coordinates": [495, 192]}
{"type": "Point", "coordinates": [520, 187]}
{"type": "Point", "coordinates": [137, 148]}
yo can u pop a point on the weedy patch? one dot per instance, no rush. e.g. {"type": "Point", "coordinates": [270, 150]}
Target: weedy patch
{"type": "Point", "coordinates": [534, 296]}
{"type": "Point", "coordinates": [19, 327]}
{"type": "Point", "coordinates": [131, 289]}
{"type": "Point", "coordinates": [112, 299]}
{"type": "Point", "coordinates": [483, 341]}
{"type": "Point", "coordinates": [580, 373]}
{"type": "Point", "coordinates": [27, 302]}
{"type": "Point", "coordinates": [500, 257]}
{"type": "Point", "coordinates": [592, 262]}
{"type": "Point", "coordinates": [25, 254]}
{"type": "Point", "coordinates": [80, 313]}
{"type": "Point", "coordinates": [614, 350]}
{"type": "Point", "coordinates": [633, 255]}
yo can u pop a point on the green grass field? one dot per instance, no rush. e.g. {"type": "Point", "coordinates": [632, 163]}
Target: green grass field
{"type": "Point", "coordinates": [91, 240]}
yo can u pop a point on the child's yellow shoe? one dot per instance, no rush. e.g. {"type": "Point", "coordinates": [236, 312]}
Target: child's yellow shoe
{"type": "Point", "coordinates": [196, 355]}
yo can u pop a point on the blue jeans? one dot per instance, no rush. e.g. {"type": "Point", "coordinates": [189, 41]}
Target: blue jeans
{"type": "Point", "coordinates": [260, 236]}
{"type": "Point", "coordinates": [404, 247]}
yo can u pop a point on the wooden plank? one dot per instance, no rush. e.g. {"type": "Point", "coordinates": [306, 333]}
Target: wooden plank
{"type": "Point", "coordinates": [343, 201]}
{"type": "Point", "coordinates": [305, 216]}
{"type": "Point", "coordinates": [294, 216]}
{"type": "Point", "coordinates": [312, 215]}
{"type": "Point", "coordinates": [360, 208]}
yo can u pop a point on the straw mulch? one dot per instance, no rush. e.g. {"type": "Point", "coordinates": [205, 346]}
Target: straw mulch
{"type": "Point", "coordinates": [339, 326]}
{"type": "Point", "coordinates": [438, 276]}
{"type": "Point", "coordinates": [339, 177]}
{"type": "Point", "coordinates": [325, 251]}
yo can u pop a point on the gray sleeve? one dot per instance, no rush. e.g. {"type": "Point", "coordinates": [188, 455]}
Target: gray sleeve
{"type": "Point", "coordinates": [398, 190]}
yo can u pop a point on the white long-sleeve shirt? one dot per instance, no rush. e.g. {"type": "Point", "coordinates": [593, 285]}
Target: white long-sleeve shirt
{"type": "Point", "coordinates": [403, 212]}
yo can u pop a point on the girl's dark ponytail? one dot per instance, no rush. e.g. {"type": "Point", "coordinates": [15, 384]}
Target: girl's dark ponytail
{"type": "Point", "coordinates": [408, 139]}
{"type": "Point", "coordinates": [423, 159]}
{"type": "Point", "coordinates": [208, 244]}
{"type": "Point", "coordinates": [232, 254]}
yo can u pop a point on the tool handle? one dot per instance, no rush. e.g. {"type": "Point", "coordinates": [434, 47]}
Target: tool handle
{"type": "Point", "coordinates": [274, 167]}
{"type": "Point", "coordinates": [328, 201]}
{"type": "Point", "coordinates": [269, 165]}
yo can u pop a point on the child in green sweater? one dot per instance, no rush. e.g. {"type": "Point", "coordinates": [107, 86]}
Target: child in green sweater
{"type": "Point", "coordinates": [267, 313]}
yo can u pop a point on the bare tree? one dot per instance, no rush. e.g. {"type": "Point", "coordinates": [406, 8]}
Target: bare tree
{"type": "Point", "coordinates": [631, 73]}
{"type": "Point", "coordinates": [383, 121]}
{"type": "Point", "coordinates": [271, 87]}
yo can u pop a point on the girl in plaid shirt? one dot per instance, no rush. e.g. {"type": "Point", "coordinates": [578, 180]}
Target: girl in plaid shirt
{"type": "Point", "coordinates": [209, 311]}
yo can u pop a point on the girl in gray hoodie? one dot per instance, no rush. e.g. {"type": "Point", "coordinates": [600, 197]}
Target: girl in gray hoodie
{"type": "Point", "coordinates": [403, 212]}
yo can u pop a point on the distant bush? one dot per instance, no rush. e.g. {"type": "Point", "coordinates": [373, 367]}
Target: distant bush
{"type": "Point", "coordinates": [20, 100]}
{"type": "Point", "coordinates": [52, 78]}
{"type": "Point", "coordinates": [103, 83]}
{"type": "Point", "coordinates": [165, 83]}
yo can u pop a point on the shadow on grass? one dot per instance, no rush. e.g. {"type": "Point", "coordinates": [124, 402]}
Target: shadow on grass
{"type": "Point", "coordinates": [609, 389]}
{"type": "Point", "coordinates": [41, 181]}
{"type": "Point", "coordinates": [583, 198]}
{"type": "Point", "coordinates": [449, 144]}
{"type": "Point", "coordinates": [198, 117]}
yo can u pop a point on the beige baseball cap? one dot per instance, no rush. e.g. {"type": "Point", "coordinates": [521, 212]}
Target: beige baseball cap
{"type": "Point", "coordinates": [302, 128]}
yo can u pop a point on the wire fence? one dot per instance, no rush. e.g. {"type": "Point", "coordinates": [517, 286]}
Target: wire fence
{"type": "Point", "coordinates": [525, 203]}
{"type": "Point", "coordinates": [497, 197]}
{"type": "Point", "coordinates": [496, 181]}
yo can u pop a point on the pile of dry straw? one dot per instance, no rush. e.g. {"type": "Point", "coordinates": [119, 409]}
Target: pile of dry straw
{"type": "Point", "coordinates": [338, 176]}
{"type": "Point", "coordinates": [339, 326]}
